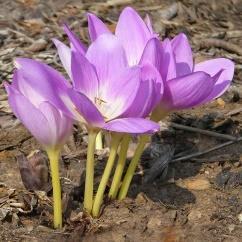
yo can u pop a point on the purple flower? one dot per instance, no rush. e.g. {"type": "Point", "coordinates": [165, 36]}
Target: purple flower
{"type": "Point", "coordinates": [185, 84]}
{"type": "Point", "coordinates": [102, 96]}
{"type": "Point", "coordinates": [47, 124]}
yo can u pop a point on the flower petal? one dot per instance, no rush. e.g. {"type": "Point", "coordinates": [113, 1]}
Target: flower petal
{"type": "Point", "coordinates": [120, 94]}
{"type": "Point", "coordinates": [168, 64]}
{"type": "Point", "coordinates": [30, 116]}
{"type": "Point", "coordinates": [60, 125]}
{"type": "Point", "coordinates": [83, 109]}
{"type": "Point", "coordinates": [132, 31]}
{"type": "Point", "coordinates": [149, 93]}
{"type": "Point", "coordinates": [39, 82]}
{"type": "Point", "coordinates": [96, 27]}
{"type": "Point", "coordinates": [64, 53]}
{"type": "Point", "coordinates": [84, 76]}
{"type": "Point", "coordinates": [148, 23]}
{"type": "Point", "coordinates": [212, 67]}
{"type": "Point", "coordinates": [152, 53]}
{"type": "Point", "coordinates": [183, 54]}
{"type": "Point", "coordinates": [132, 126]}
{"type": "Point", "coordinates": [187, 91]}
{"type": "Point", "coordinates": [76, 44]}
{"type": "Point", "coordinates": [107, 55]}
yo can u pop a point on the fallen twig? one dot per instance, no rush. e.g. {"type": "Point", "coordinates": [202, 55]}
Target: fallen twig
{"type": "Point", "coordinates": [221, 44]}
{"type": "Point", "coordinates": [202, 131]}
{"type": "Point", "coordinates": [217, 147]}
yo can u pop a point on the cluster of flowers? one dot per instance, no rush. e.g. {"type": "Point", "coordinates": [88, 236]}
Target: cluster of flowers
{"type": "Point", "coordinates": [123, 83]}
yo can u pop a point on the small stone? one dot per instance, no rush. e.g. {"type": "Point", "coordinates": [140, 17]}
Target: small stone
{"type": "Point", "coordinates": [195, 184]}
{"type": "Point", "coordinates": [154, 223]}
{"type": "Point", "coordinates": [237, 164]}
{"type": "Point", "coordinates": [141, 198]}
{"type": "Point", "coordinates": [194, 215]}
{"type": "Point", "coordinates": [221, 102]}
{"type": "Point", "coordinates": [231, 228]}
{"type": "Point", "coordinates": [240, 217]}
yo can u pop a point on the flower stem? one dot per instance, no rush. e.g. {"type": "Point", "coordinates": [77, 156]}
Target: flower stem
{"type": "Point", "coordinates": [88, 194]}
{"type": "Point", "coordinates": [115, 139]}
{"type": "Point", "coordinates": [120, 167]}
{"type": "Point", "coordinates": [53, 155]}
{"type": "Point", "coordinates": [132, 167]}
{"type": "Point", "coordinates": [99, 141]}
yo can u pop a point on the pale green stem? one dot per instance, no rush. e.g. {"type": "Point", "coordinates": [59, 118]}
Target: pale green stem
{"type": "Point", "coordinates": [132, 167]}
{"type": "Point", "coordinates": [99, 141]}
{"type": "Point", "coordinates": [88, 194]}
{"type": "Point", "coordinates": [115, 139]}
{"type": "Point", "coordinates": [120, 167]}
{"type": "Point", "coordinates": [53, 155]}
{"type": "Point", "coordinates": [156, 116]}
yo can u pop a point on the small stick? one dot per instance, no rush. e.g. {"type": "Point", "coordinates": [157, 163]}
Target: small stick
{"type": "Point", "coordinates": [202, 131]}
{"type": "Point", "coordinates": [234, 112]}
{"type": "Point", "coordinates": [221, 44]}
{"type": "Point", "coordinates": [217, 147]}
{"type": "Point", "coordinates": [20, 34]}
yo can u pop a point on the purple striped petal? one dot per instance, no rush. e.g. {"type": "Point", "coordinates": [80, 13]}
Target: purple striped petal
{"type": "Point", "coordinates": [82, 109]}
{"type": "Point", "coordinates": [39, 82]}
{"type": "Point", "coordinates": [84, 76]}
{"type": "Point", "coordinates": [149, 93]}
{"type": "Point", "coordinates": [132, 126]}
{"type": "Point", "coordinates": [108, 57]}
{"type": "Point", "coordinates": [148, 23]}
{"type": "Point", "coordinates": [31, 117]}
{"type": "Point", "coordinates": [168, 64]}
{"type": "Point", "coordinates": [121, 93]}
{"type": "Point", "coordinates": [187, 91]}
{"type": "Point", "coordinates": [152, 53]}
{"type": "Point", "coordinates": [132, 31]}
{"type": "Point", "coordinates": [96, 27]}
{"type": "Point", "coordinates": [183, 55]}
{"type": "Point", "coordinates": [64, 53]}
{"type": "Point", "coordinates": [60, 125]}
{"type": "Point", "coordinates": [212, 67]}
{"type": "Point", "coordinates": [76, 44]}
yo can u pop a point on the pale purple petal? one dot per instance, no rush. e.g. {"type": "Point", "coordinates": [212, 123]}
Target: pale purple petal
{"type": "Point", "coordinates": [133, 33]}
{"type": "Point", "coordinates": [96, 27]}
{"type": "Point", "coordinates": [64, 53]}
{"type": "Point", "coordinates": [212, 67]}
{"type": "Point", "coordinates": [183, 54]}
{"type": "Point", "coordinates": [83, 109]}
{"type": "Point", "coordinates": [187, 91]}
{"type": "Point", "coordinates": [152, 53]}
{"type": "Point", "coordinates": [132, 126]}
{"type": "Point", "coordinates": [39, 82]}
{"type": "Point", "coordinates": [148, 22]}
{"type": "Point", "coordinates": [107, 55]}
{"type": "Point", "coordinates": [76, 44]}
{"type": "Point", "coordinates": [30, 116]}
{"type": "Point", "coordinates": [168, 64]}
{"type": "Point", "coordinates": [84, 76]}
{"type": "Point", "coordinates": [149, 93]}
{"type": "Point", "coordinates": [120, 94]}
{"type": "Point", "coordinates": [60, 125]}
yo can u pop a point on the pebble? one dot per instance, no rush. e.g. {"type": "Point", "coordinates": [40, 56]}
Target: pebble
{"type": "Point", "coordinates": [194, 215]}
{"type": "Point", "coordinates": [153, 223]}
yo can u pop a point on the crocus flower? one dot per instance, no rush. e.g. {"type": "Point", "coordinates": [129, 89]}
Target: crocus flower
{"type": "Point", "coordinates": [47, 124]}
{"type": "Point", "coordinates": [105, 92]}
{"type": "Point", "coordinates": [118, 95]}
{"type": "Point", "coordinates": [188, 84]}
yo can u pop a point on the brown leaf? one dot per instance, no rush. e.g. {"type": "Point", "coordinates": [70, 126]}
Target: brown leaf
{"type": "Point", "coordinates": [34, 170]}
